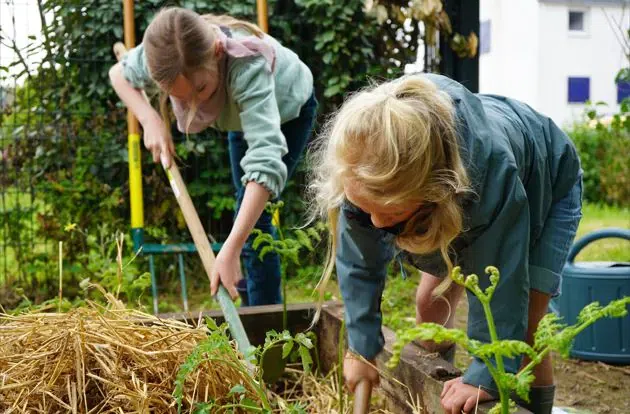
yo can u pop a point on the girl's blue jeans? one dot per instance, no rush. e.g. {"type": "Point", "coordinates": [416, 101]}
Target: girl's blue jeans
{"type": "Point", "coordinates": [263, 276]}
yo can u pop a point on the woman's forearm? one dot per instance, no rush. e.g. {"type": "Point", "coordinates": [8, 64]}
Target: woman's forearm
{"type": "Point", "coordinates": [131, 96]}
{"type": "Point", "coordinates": [252, 207]}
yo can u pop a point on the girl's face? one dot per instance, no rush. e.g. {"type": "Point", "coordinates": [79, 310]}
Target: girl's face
{"type": "Point", "coordinates": [382, 216]}
{"type": "Point", "coordinates": [202, 84]}
{"type": "Point", "coordinates": [200, 87]}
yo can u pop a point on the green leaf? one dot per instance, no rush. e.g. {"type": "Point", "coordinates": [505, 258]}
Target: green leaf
{"type": "Point", "coordinates": [304, 240]}
{"type": "Point", "coordinates": [332, 91]}
{"type": "Point", "coordinates": [286, 349]}
{"type": "Point", "coordinates": [304, 340]}
{"type": "Point", "coordinates": [237, 389]}
{"type": "Point", "coordinates": [326, 36]}
{"type": "Point", "coordinates": [305, 355]}
{"type": "Point", "coordinates": [264, 251]}
{"type": "Point", "coordinates": [314, 234]}
{"type": "Point", "coordinates": [261, 238]}
{"type": "Point", "coordinates": [505, 348]}
{"type": "Point", "coordinates": [249, 403]}
{"type": "Point", "coordinates": [548, 327]}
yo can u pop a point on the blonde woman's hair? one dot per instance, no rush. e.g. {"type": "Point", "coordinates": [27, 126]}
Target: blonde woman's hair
{"type": "Point", "coordinates": [398, 142]}
{"type": "Point", "coordinates": [179, 41]}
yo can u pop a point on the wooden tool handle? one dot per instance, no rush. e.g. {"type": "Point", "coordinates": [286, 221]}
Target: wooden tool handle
{"type": "Point", "coordinates": [201, 242]}
{"type": "Point", "coordinates": [362, 395]}
{"type": "Point", "coordinates": [207, 255]}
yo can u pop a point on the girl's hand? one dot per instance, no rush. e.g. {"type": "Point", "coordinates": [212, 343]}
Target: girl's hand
{"type": "Point", "coordinates": [355, 370]}
{"type": "Point", "coordinates": [457, 396]}
{"type": "Point", "coordinates": [227, 271]}
{"type": "Point", "coordinates": [157, 140]}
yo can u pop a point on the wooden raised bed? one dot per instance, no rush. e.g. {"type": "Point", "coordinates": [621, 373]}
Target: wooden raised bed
{"type": "Point", "coordinates": [422, 374]}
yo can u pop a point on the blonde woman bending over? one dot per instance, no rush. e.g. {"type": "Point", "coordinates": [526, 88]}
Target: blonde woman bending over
{"type": "Point", "coordinates": [422, 169]}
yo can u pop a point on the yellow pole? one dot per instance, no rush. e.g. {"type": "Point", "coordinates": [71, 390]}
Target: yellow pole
{"type": "Point", "coordinates": [133, 139]}
{"type": "Point", "coordinates": [261, 6]}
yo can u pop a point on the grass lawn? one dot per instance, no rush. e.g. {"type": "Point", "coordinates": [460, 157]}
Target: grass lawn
{"type": "Point", "coordinates": [599, 217]}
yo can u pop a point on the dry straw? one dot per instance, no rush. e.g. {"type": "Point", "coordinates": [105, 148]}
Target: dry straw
{"type": "Point", "coordinates": [100, 359]}
{"type": "Point", "coordinates": [112, 359]}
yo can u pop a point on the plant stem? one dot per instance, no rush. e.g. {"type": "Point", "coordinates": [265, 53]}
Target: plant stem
{"type": "Point", "coordinates": [504, 396]}
{"type": "Point", "coordinates": [283, 280]}
{"type": "Point", "coordinates": [246, 374]}
{"type": "Point", "coordinates": [60, 276]}
{"type": "Point", "coordinates": [503, 393]}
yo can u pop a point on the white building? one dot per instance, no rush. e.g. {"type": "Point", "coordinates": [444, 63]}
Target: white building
{"type": "Point", "coordinates": [554, 54]}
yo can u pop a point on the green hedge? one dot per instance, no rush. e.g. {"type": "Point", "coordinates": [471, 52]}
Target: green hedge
{"type": "Point", "coordinates": [603, 143]}
{"type": "Point", "coordinates": [64, 141]}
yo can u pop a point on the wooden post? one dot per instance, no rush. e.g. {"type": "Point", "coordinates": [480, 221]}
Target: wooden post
{"type": "Point", "coordinates": [261, 6]}
{"type": "Point", "coordinates": [133, 141]}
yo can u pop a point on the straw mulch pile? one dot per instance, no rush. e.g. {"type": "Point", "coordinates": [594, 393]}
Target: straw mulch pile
{"type": "Point", "coordinates": [111, 359]}
{"type": "Point", "coordinates": [99, 359]}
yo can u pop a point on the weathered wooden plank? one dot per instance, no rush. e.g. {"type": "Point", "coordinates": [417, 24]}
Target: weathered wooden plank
{"type": "Point", "coordinates": [419, 376]}
{"type": "Point", "coordinates": [257, 320]}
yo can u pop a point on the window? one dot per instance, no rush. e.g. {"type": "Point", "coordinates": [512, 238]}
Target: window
{"type": "Point", "coordinates": [579, 90]}
{"type": "Point", "coordinates": [484, 37]}
{"type": "Point", "coordinates": [623, 90]}
{"type": "Point", "coordinates": [577, 21]}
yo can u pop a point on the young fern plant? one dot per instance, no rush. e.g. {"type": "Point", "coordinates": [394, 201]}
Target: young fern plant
{"type": "Point", "coordinates": [551, 335]}
{"type": "Point", "coordinates": [287, 248]}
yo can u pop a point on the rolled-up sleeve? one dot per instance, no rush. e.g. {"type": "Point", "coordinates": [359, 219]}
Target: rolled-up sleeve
{"type": "Point", "coordinates": [135, 69]}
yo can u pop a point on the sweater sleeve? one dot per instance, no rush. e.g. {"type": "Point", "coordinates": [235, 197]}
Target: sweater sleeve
{"type": "Point", "coordinates": [135, 69]}
{"type": "Point", "coordinates": [253, 89]}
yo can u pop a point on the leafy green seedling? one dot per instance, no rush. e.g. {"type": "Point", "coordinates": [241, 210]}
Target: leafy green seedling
{"type": "Point", "coordinates": [551, 335]}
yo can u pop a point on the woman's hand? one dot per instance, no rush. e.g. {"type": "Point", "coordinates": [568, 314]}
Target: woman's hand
{"type": "Point", "coordinates": [457, 396]}
{"type": "Point", "coordinates": [356, 370]}
{"type": "Point", "coordinates": [227, 271]}
{"type": "Point", "coordinates": [157, 140]}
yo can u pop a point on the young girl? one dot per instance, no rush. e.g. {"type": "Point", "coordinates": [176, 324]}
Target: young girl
{"type": "Point", "coordinates": [423, 168]}
{"type": "Point", "coordinates": [223, 73]}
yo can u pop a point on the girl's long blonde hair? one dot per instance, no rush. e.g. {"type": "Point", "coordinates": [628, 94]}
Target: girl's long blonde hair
{"type": "Point", "coordinates": [398, 141]}
{"type": "Point", "coordinates": [179, 41]}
